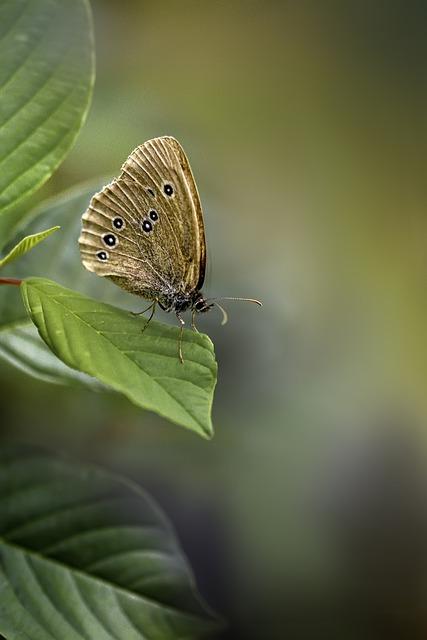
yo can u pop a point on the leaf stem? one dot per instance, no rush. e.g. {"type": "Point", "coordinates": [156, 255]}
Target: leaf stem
{"type": "Point", "coordinates": [14, 281]}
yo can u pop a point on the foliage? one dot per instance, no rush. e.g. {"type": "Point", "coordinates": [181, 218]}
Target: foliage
{"type": "Point", "coordinates": [46, 80]}
{"type": "Point", "coordinates": [47, 84]}
{"type": "Point", "coordinates": [86, 554]}
{"type": "Point", "coordinates": [82, 554]}
{"type": "Point", "coordinates": [25, 245]}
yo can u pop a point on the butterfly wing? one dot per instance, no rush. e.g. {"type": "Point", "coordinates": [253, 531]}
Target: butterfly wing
{"type": "Point", "coordinates": [127, 237]}
{"type": "Point", "coordinates": [163, 172]}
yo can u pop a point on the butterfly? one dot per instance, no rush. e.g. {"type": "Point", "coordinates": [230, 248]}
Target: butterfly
{"type": "Point", "coordinates": [145, 231]}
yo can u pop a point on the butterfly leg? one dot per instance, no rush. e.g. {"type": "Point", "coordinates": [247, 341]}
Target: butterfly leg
{"type": "Point", "coordinates": [193, 324]}
{"type": "Point", "coordinates": [140, 313]}
{"type": "Point", "coordinates": [180, 338]}
{"type": "Point", "coordinates": [153, 308]}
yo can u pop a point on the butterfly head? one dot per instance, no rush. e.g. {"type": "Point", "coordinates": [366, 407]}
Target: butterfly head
{"type": "Point", "coordinates": [179, 302]}
{"type": "Point", "coordinates": [200, 304]}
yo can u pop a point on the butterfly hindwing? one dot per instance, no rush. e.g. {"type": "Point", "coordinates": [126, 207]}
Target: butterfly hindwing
{"type": "Point", "coordinates": [124, 237]}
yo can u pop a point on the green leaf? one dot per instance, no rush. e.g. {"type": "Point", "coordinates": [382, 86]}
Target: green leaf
{"type": "Point", "coordinates": [26, 244]}
{"type": "Point", "coordinates": [20, 345]}
{"type": "Point", "coordinates": [85, 554]}
{"type": "Point", "coordinates": [46, 79]}
{"type": "Point", "coordinates": [108, 343]}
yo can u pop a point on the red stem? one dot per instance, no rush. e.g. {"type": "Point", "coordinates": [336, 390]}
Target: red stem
{"type": "Point", "coordinates": [14, 281]}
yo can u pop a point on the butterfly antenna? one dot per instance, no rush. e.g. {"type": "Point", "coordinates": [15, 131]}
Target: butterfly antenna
{"type": "Point", "coordinates": [224, 313]}
{"type": "Point", "coordinates": [239, 299]}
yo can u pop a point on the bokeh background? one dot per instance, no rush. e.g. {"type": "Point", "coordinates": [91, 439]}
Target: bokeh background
{"type": "Point", "coordinates": [305, 123]}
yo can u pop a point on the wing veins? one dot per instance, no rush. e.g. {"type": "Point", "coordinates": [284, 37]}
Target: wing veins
{"type": "Point", "coordinates": [119, 235]}
{"type": "Point", "coordinates": [118, 203]}
{"type": "Point", "coordinates": [148, 158]}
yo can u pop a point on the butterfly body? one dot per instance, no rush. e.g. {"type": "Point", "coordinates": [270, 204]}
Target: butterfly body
{"type": "Point", "coordinates": [168, 299]}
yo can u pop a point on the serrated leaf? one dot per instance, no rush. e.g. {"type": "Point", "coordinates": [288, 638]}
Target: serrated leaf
{"type": "Point", "coordinates": [108, 343]}
{"type": "Point", "coordinates": [46, 78]}
{"type": "Point", "coordinates": [26, 244]}
{"type": "Point", "coordinates": [84, 554]}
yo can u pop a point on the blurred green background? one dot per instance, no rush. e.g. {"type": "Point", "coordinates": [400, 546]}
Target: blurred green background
{"type": "Point", "coordinates": [305, 123]}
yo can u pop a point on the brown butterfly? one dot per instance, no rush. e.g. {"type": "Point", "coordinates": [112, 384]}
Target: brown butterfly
{"type": "Point", "coordinates": [145, 231]}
